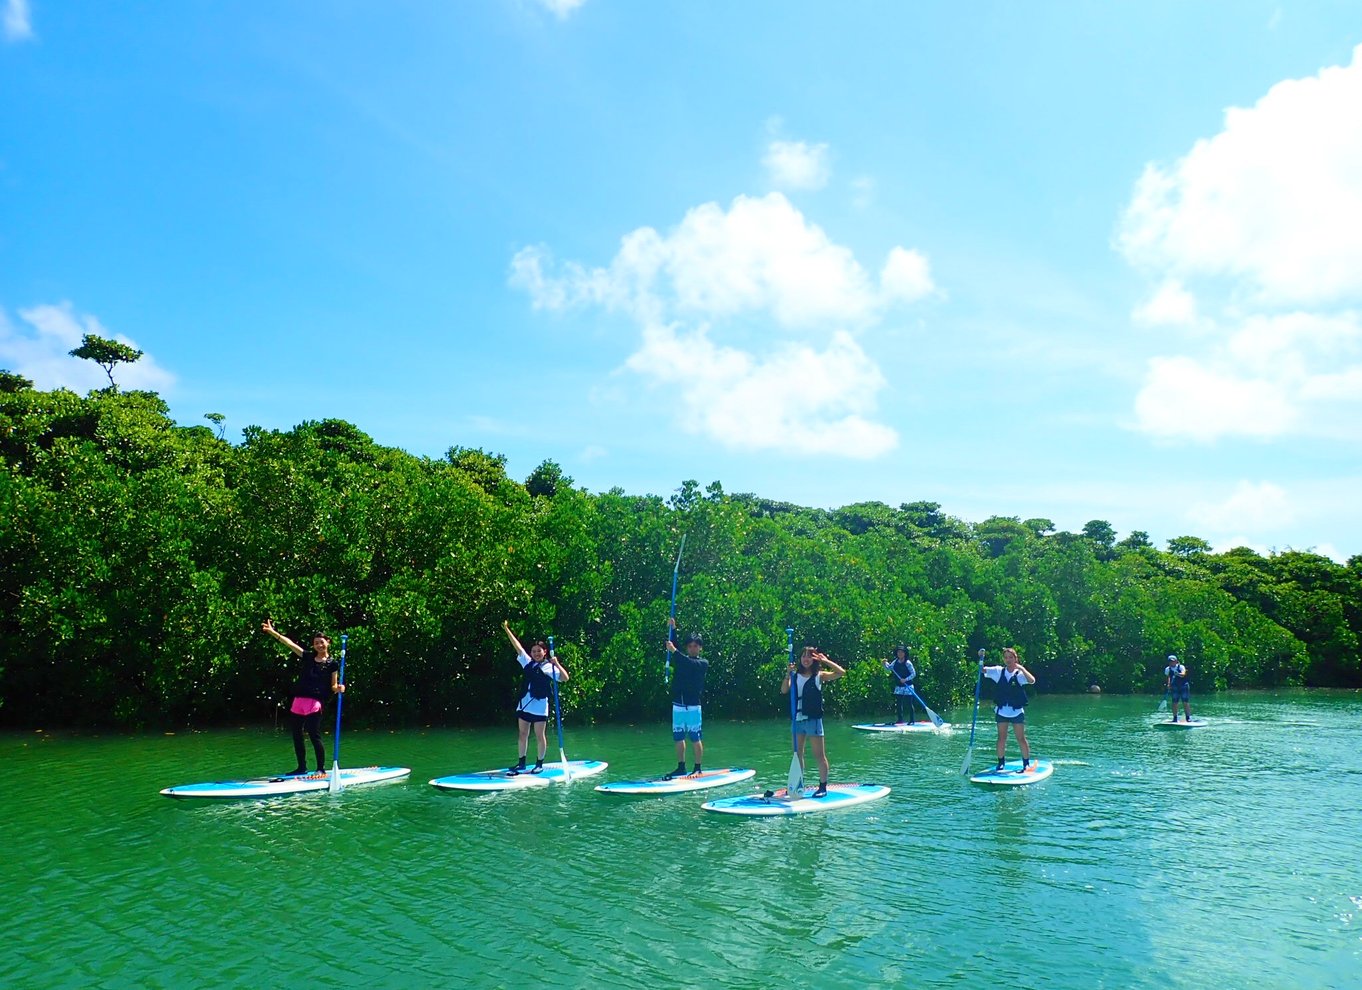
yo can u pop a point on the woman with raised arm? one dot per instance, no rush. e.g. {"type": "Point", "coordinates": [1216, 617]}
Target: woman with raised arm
{"type": "Point", "coordinates": [809, 673]}
{"type": "Point", "coordinates": [318, 679]}
{"type": "Point", "coordinates": [539, 670]}
{"type": "Point", "coordinates": [1010, 702]}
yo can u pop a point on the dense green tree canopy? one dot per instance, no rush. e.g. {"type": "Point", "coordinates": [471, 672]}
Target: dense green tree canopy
{"type": "Point", "coordinates": [141, 556]}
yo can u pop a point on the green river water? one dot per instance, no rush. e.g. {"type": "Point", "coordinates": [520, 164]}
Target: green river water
{"type": "Point", "coordinates": [1223, 857]}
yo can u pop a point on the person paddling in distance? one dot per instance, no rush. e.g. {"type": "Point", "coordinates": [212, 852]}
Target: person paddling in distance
{"type": "Point", "coordinates": [539, 671]}
{"type": "Point", "coordinates": [1010, 700]}
{"type": "Point", "coordinates": [318, 679]}
{"type": "Point", "coordinates": [809, 673]}
{"type": "Point", "coordinates": [688, 687]}
{"type": "Point", "coordinates": [1178, 686]}
{"type": "Point", "coordinates": [903, 672]}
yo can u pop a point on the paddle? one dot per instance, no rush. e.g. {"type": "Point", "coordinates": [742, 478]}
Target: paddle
{"type": "Point", "coordinates": [558, 716]}
{"type": "Point", "coordinates": [795, 782]}
{"type": "Point", "coordinates": [676, 572]}
{"type": "Point", "coordinates": [936, 719]}
{"type": "Point", "coordinates": [335, 784]}
{"type": "Point", "coordinates": [1163, 704]}
{"type": "Point", "coordinates": [969, 753]}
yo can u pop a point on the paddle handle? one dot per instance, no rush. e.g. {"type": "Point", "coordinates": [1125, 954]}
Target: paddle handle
{"type": "Point", "coordinates": [340, 700]}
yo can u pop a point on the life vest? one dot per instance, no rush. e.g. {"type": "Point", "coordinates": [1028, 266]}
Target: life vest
{"type": "Point", "coordinates": [810, 695]}
{"type": "Point", "coordinates": [535, 682]}
{"type": "Point", "coordinates": [904, 670]}
{"type": "Point", "coordinates": [1011, 692]}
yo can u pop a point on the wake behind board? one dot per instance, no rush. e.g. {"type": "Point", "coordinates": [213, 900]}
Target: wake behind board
{"type": "Point", "coordinates": [1011, 774]}
{"type": "Point", "coordinates": [782, 803]}
{"type": "Point", "coordinates": [504, 780]}
{"type": "Point", "coordinates": [678, 785]}
{"type": "Point", "coordinates": [259, 787]}
{"type": "Point", "coordinates": [903, 727]}
{"type": "Point", "coordinates": [1196, 723]}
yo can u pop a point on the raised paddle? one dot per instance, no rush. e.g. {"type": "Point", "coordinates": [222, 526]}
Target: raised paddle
{"type": "Point", "coordinates": [936, 719]}
{"type": "Point", "coordinates": [969, 753]}
{"type": "Point", "coordinates": [676, 572]}
{"type": "Point", "coordinates": [335, 784]}
{"type": "Point", "coordinates": [795, 783]}
{"type": "Point", "coordinates": [558, 716]}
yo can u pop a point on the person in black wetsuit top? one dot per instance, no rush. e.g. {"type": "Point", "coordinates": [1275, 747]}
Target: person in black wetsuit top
{"type": "Point", "coordinates": [318, 679]}
{"type": "Point", "coordinates": [688, 688]}
{"type": "Point", "coordinates": [904, 673]}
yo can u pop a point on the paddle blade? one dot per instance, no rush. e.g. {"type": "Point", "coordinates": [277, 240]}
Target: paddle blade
{"type": "Point", "coordinates": [567, 770]}
{"type": "Point", "coordinates": [937, 720]}
{"type": "Point", "coordinates": [795, 784]}
{"type": "Point", "coordinates": [1163, 704]}
{"type": "Point", "coordinates": [969, 755]}
{"type": "Point", "coordinates": [335, 783]}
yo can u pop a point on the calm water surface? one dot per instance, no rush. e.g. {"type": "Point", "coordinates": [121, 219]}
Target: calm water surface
{"type": "Point", "coordinates": [1220, 857]}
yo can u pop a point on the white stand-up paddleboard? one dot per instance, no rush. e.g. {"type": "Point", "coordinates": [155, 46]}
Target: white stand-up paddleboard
{"type": "Point", "coordinates": [1012, 775]}
{"type": "Point", "coordinates": [801, 802]}
{"type": "Point", "coordinates": [902, 727]}
{"type": "Point", "coordinates": [504, 780]}
{"type": "Point", "coordinates": [1196, 723]}
{"type": "Point", "coordinates": [678, 785]}
{"type": "Point", "coordinates": [259, 787]}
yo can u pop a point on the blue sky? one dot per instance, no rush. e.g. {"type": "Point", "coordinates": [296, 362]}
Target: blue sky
{"type": "Point", "coordinates": [1072, 260]}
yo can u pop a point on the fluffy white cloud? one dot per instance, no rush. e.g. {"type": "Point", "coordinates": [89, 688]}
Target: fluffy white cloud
{"type": "Point", "coordinates": [1255, 236]}
{"type": "Point", "coordinates": [17, 20]}
{"type": "Point", "coordinates": [759, 269]}
{"type": "Point", "coordinates": [799, 400]}
{"type": "Point", "coordinates": [1183, 398]}
{"type": "Point", "coordinates": [797, 164]}
{"type": "Point", "coordinates": [1252, 507]}
{"type": "Point", "coordinates": [1171, 304]}
{"type": "Point", "coordinates": [1274, 199]}
{"type": "Point", "coordinates": [760, 255]}
{"type": "Point", "coordinates": [39, 350]}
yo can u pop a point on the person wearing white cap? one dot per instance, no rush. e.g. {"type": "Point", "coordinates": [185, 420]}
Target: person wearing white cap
{"type": "Point", "coordinates": [1178, 686]}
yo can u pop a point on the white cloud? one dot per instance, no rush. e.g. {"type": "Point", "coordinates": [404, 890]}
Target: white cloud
{"type": "Point", "coordinates": [39, 350]}
{"type": "Point", "coordinates": [1171, 304]}
{"type": "Point", "coordinates": [1251, 507]}
{"type": "Point", "coordinates": [561, 9]}
{"type": "Point", "coordinates": [761, 255]}
{"type": "Point", "coordinates": [797, 164]}
{"type": "Point", "coordinates": [759, 270]}
{"type": "Point", "coordinates": [1255, 238]}
{"type": "Point", "coordinates": [17, 20]}
{"type": "Point", "coordinates": [798, 400]}
{"type": "Point", "coordinates": [1274, 200]}
{"type": "Point", "coordinates": [1183, 398]}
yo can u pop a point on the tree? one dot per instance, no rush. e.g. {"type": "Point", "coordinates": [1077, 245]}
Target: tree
{"type": "Point", "coordinates": [217, 419]}
{"type": "Point", "coordinates": [11, 382]}
{"type": "Point", "coordinates": [1137, 540]}
{"type": "Point", "coordinates": [546, 479]}
{"type": "Point", "coordinates": [106, 353]}
{"type": "Point", "coordinates": [1188, 546]}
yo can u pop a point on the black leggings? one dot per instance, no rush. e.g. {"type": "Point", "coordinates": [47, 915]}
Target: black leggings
{"type": "Point", "coordinates": [899, 699]}
{"type": "Point", "coordinates": [313, 724]}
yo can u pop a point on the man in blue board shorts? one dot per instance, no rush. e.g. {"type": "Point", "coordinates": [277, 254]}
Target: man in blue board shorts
{"type": "Point", "coordinates": [688, 688]}
{"type": "Point", "coordinates": [1179, 687]}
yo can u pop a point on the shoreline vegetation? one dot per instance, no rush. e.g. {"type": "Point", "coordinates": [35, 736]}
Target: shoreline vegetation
{"type": "Point", "coordinates": [140, 556]}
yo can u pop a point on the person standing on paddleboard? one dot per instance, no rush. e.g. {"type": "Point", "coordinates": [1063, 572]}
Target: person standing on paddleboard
{"type": "Point", "coordinates": [904, 673]}
{"type": "Point", "coordinates": [809, 673]}
{"type": "Point", "coordinates": [540, 670]}
{"type": "Point", "coordinates": [1179, 687]}
{"type": "Point", "coordinates": [688, 688]}
{"type": "Point", "coordinates": [1010, 702]}
{"type": "Point", "coordinates": [318, 679]}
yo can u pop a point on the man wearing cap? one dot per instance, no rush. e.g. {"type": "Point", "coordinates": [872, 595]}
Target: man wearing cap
{"type": "Point", "coordinates": [688, 687]}
{"type": "Point", "coordinates": [904, 673]}
{"type": "Point", "coordinates": [1178, 686]}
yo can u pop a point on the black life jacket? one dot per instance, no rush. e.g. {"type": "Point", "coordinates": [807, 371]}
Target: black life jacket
{"type": "Point", "coordinates": [902, 669]}
{"type": "Point", "coordinates": [811, 697]}
{"type": "Point", "coordinates": [1011, 692]}
{"type": "Point", "coordinates": [534, 681]}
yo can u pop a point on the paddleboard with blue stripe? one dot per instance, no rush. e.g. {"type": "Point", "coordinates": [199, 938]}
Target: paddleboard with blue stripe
{"type": "Point", "coordinates": [679, 785]}
{"type": "Point", "coordinates": [1196, 723]}
{"type": "Point", "coordinates": [904, 728]}
{"type": "Point", "coordinates": [782, 803]}
{"type": "Point", "coordinates": [1012, 774]}
{"type": "Point", "coordinates": [259, 787]}
{"type": "Point", "coordinates": [504, 780]}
